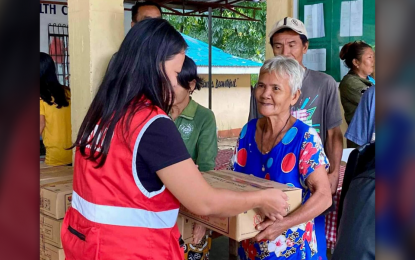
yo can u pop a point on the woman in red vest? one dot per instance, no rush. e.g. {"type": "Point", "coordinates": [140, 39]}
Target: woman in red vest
{"type": "Point", "coordinates": [132, 169]}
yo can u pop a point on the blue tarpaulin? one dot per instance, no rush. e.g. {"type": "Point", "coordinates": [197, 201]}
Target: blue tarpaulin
{"type": "Point", "coordinates": [199, 52]}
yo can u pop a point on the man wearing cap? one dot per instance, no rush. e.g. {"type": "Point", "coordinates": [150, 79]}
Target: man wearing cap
{"type": "Point", "coordinates": [318, 105]}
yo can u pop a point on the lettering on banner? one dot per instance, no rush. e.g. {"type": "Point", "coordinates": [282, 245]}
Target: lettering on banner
{"type": "Point", "coordinates": [228, 83]}
{"type": "Point", "coordinates": [51, 9]}
{"type": "Point", "coordinates": [65, 10]}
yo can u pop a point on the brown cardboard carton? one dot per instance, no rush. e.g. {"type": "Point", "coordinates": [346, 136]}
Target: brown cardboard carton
{"type": "Point", "coordinates": [185, 226]}
{"type": "Point", "coordinates": [42, 249]}
{"type": "Point", "coordinates": [242, 226]}
{"type": "Point", "coordinates": [55, 169]}
{"type": "Point", "coordinates": [49, 252]}
{"type": "Point", "coordinates": [44, 165]}
{"type": "Point", "coordinates": [55, 174]}
{"type": "Point", "coordinates": [55, 198]}
{"type": "Point", "coordinates": [50, 230]}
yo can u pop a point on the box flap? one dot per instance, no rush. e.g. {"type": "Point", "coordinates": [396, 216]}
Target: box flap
{"type": "Point", "coordinates": [61, 186]}
{"type": "Point", "coordinates": [247, 182]}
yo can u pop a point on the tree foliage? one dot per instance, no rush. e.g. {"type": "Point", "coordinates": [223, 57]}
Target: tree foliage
{"type": "Point", "coordinates": [245, 39]}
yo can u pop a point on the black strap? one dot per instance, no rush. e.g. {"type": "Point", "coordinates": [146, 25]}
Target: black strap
{"type": "Point", "coordinates": [181, 241]}
{"type": "Point", "coordinates": [76, 233]}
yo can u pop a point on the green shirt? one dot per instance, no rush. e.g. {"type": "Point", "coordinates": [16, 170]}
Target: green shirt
{"type": "Point", "coordinates": [351, 88]}
{"type": "Point", "coordinates": [197, 126]}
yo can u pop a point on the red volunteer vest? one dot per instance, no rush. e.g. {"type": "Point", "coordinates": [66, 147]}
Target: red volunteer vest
{"type": "Point", "coordinates": [112, 215]}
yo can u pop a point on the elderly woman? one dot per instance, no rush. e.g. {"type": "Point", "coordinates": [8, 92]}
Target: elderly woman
{"type": "Point", "coordinates": [281, 148]}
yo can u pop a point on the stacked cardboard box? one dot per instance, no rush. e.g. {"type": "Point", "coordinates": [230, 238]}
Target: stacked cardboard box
{"type": "Point", "coordinates": [242, 226]}
{"type": "Point", "coordinates": [44, 165]}
{"type": "Point", "coordinates": [49, 252]}
{"type": "Point", "coordinates": [50, 230]}
{"type": "Point", "coordinates": [55, 174]}
{"type": "Point", "coordinates": [55, 199]}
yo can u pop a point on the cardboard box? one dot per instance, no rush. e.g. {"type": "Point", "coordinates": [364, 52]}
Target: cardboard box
{"type": "Point", "coordinates": [44, 165]}
{"type": "Point", "coordinates": [42, 249]}
{"type": "Point", "coordinates": [56, 198]}
{"type": "Point", "coordinates": [50, 230]}
{"type": "Point", "coordinates": [55, 174]}
{"type": "Point", "coordinates": [49, 252]}
{"type": "Point", "coordinates": [185, 226]}
{"type": "Point", "coordinates": [242, 226]}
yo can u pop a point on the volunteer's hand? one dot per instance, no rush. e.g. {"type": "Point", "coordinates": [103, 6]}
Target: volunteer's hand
{"type": "Point", "coordinates": [274, 204]}
{"type": "Point", "coordinates": [270, 230]}
{"type": "Point", "coordinates": [199, 232]}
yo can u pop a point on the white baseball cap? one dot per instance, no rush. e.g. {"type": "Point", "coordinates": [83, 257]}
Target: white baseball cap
{"type": "Point", "coordinates": [291, 23]}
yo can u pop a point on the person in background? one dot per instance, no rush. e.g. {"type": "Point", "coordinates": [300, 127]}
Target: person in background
{"type": "Point", "coordinates": [132, 170]}
{"type": "Point", "coordinates": [139, 12]}
{"type": "Point", "coordinates": [197, 127]}
{"type": "Point", "coordinates": [357, 227]}
{"type": "Point", "coordinates": [281, 148]}
{"type": "Point", "coordinates": [360, 59]}
{"type": "Point", "coordinates": [361, 129]}
{"type": "Point", "coordinates": [253, 106]}
{"type": "Point", "coordinates": [144, 10]}
{"type": "Point", "coordinates": [55, 114]}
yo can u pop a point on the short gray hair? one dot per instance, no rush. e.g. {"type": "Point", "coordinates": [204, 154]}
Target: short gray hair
{"type": "Point", "coordinates": [284, 66]}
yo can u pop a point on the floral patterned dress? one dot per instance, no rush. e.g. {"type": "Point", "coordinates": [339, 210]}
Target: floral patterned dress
{"type": "Point", "coordinates": [291, 161]}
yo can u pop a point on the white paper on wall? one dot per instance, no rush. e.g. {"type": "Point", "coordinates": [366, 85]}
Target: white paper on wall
{"type": "Point", "coordinates": [314, 20]}
{"type": "Point", "coordinates": [351, 18]}
{"type": "Point", "coordinates": [315, 59]}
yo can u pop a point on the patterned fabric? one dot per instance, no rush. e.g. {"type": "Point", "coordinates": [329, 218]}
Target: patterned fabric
{"type": "Point", "coordinates": [331, 218]}
{"type": "Point", "coordinates": [198, 251]}
{"type": "Point", "coordinates": [291, 161]}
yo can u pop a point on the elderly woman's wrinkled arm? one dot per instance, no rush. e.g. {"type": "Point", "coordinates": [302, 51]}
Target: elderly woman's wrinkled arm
{"type": "Point", "coordinates": [319, 201]}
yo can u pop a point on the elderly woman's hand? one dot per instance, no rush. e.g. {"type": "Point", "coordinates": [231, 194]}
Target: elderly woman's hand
{"type": "Point", "coordinates": [320, 200]}
{"type": "Point", "coordinates": [270, 230]}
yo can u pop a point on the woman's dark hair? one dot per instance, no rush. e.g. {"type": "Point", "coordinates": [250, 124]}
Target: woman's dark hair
{"type": "Point", "coordinates": [353, 50]}
{"type": "Point", "coordinates": [51, 91]}
{"type": "Point", "coordinates": [189, 73]}
{"type": "Point", "coordinates": [303, 38]}
{"type": "Point", "coordinates": [136, 76]}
